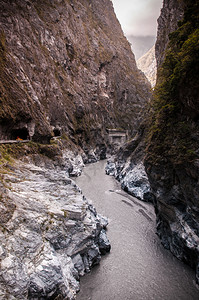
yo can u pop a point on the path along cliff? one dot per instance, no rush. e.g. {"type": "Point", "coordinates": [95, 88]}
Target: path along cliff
{"type": "Point", "coordinates": [68, 72]}
{"type": "Point", "coordinates": [67, 75]}
{"type": "Point", "coordinates": [66, 68]}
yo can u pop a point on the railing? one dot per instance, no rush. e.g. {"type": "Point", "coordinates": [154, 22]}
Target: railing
{"type": "Point", "coordinates": [13, 141]}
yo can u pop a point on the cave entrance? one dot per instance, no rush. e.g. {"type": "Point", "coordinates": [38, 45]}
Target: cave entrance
{"type": "Point", "coordinates": [21, 133]}
{"type": "Point", "coordinates": [57, 132]}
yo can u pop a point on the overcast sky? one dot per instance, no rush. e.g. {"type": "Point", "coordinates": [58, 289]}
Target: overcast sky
{"type": "Point", "coordinates": [138, 17]}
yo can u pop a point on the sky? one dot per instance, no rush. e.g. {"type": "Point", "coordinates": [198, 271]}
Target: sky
{"type": "Point", "coordinates": [138, 17]}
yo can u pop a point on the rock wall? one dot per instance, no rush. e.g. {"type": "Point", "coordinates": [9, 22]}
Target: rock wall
{"type": "Point", "coordinates": [147, 64]}
{"type": "Point", "coordinates": [171, 12]}
{"type": "Point", "coordinates": [50, 235]}
{"type": "Point", "coordinates": [172, 160]}
{"type": "Point", "coordinates": [128, 168]}
{"type": "Point", "coordinates": [66, 68]}
{"type": "Point", "coordinates": [67, 74]}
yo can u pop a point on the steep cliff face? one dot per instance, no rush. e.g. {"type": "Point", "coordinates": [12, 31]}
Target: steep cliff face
{"type": "Point", "coordinates": [66, 67]}
{"type": "Point", "coordinates": [172, 160]}
{"type": "Point", "coordinates": [171, 13]}
{"type": "Point", "coordinates": [147, 63]}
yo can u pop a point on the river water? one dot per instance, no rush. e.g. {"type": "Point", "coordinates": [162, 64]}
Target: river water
{"type": "Point", "coordinates": [138, 267]}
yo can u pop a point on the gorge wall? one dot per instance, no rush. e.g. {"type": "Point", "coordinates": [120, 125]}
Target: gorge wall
{"type": "Point", "coordinates": [172, 158]}
{"type": "Point", "coordinates": [168, 139]}
{"type": "Point", "coordinates": [67, 74]}
{"type": "Point", "coordinates": [66, 68]}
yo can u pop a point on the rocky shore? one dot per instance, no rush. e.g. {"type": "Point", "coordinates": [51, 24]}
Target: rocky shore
{"type": "Point", "coordinates": [50, 234]}
{"type": "Point", "coordinates": [128, 168]}
{"type": "Point", "coordinates": [133, 178]}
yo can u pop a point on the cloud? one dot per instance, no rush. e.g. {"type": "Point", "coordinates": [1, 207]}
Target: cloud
{"type": "Point", "coordinates": [138, 17]}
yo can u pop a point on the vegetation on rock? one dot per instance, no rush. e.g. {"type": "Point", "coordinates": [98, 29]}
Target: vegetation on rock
{"type": "Point", "coordinates": [175, 102]}
{"type": "Point", "coordinates": [172, 154]}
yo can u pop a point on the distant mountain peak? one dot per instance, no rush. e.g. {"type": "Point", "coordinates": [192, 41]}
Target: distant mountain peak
{"type": "Point", "coordinates": [141, 44]}
{"type": "Point", "coordinates": [147, 64]}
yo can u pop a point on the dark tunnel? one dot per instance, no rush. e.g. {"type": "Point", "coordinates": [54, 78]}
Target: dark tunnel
{"type": "Point", "coordinates": [21, 133]}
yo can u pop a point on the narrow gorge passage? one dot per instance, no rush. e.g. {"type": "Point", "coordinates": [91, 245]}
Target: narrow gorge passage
{"type": "Point", "coordinates": [138, 267]}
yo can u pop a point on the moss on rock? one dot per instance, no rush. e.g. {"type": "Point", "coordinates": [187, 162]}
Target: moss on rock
{"type": "Point", "coordinates": [175, 110]}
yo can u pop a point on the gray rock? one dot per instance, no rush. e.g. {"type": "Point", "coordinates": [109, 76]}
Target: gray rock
{"type": "Point", "coordinates": [128, 168]}
{"type": "Point", "coordinates": [133, 177]}
{"type": "Point", "coordinates": [103, 221]}
{"type": "Point", "coordinates": [51, 237]}
{"type": "Point", "coordinates": [104, 244]}
{"type": "Point", "coordinates": [110, 168]}
{"type": "Point", "coordinates": [79, 264]}
{"type": "Point", "coordinates": [93, 255]}
{"type": "Point", "coordinates": [86, 263]}
{"type": "Point", "coordinates": [135, 181]}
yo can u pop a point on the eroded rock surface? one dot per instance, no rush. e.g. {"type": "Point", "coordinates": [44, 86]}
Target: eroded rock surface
{"type": "Point", "coordinates": [50, 234]}
{"type": "Point", "coordinates": [128, 168]}
{"type": "Point", "coordinates": [172, 160]}
{"type": "Point", "coordinates": [66, 68]}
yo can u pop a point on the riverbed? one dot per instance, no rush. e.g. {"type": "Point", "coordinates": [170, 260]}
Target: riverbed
{"type": "Point", "coordinates": [138, 267]}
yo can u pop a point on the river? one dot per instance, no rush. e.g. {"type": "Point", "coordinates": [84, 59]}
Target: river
{"type": "Point", "coordinates": [138, 267]}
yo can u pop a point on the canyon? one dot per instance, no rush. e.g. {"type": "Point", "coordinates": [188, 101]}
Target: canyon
{"type": "Point", "coordinates": [71, 94]}
{"type": "Point", "coordinates": [68, 77]}
{"type": "Point", "coordinates": [167, 140]}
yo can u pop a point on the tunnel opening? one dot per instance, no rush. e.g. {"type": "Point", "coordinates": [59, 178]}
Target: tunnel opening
{"type": "Point", "coordinates": [20, 133]}
{"type": "Point", "coordinates": [57, 132]}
